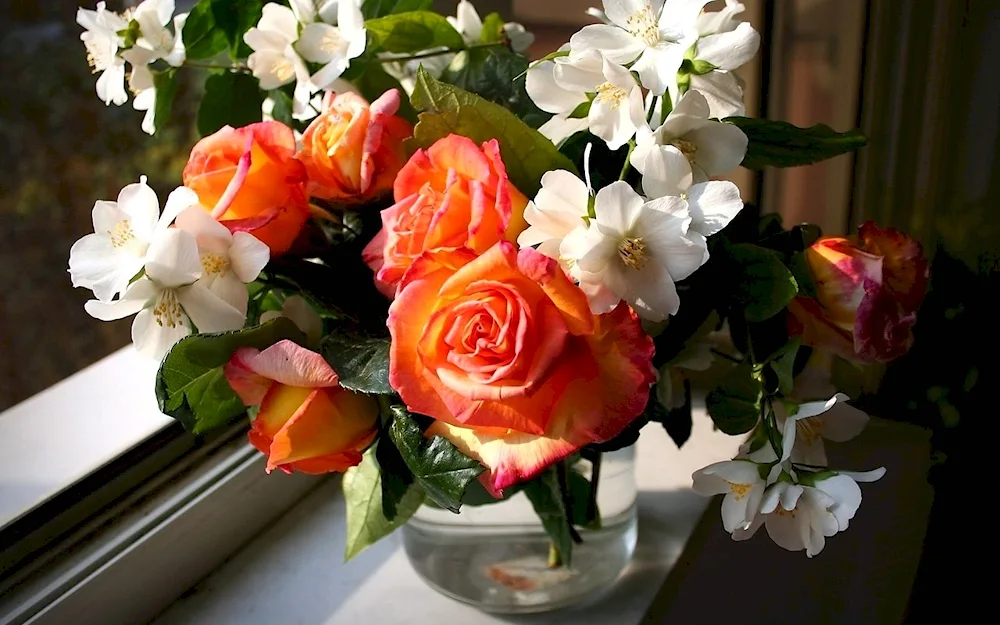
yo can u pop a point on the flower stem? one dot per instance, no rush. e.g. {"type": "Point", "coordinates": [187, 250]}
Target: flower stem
{"type": "Point", "coordinates": [238, 67]}
{"type": "Point", "coordinates": [627, 165]}
{"type": "Point", "coordinates": [555, 560]}
{"type": "Point", "coordinates": [431, 53]}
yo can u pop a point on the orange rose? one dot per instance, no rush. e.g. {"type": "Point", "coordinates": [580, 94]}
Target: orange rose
{"type": "Point", "coordinates": [503, 351]}
{"type": "Point", "coordinates": [306, 422]}
{"type": "Point", "coordinates": [250, 179]}
{"type": "Point", "coordinates": [868, 287]}
{"type": "Point", "coordinates": [454, 194]}
{"type": "Point", "coordinates": [353, 151]}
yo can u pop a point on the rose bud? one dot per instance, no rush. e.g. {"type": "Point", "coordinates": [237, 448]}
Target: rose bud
{"type": "Point", "coordinates": [307, 422]}
{"type": "Point", "coordinates": [353, 151]}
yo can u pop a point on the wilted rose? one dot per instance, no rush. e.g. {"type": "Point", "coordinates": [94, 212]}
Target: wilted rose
{"type": "Point", "coordinates": [868, 287]}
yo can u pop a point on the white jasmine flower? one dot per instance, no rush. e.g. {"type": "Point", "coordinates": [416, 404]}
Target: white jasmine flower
{"type": "Point", "coordinates": [561, 127]}
{"type": "Point", "coordinates": [801, 517]}
{"type": "Point", "coordinates": [140, 83]}
{"type": "Point", "coordinates": [333, 47]}
{"type": "Point", "coordinates": [688, 148]}
{"type": "Point", "coordinates": [635, 250]}
{"type": "Point", "coordinates": [101, 38]}
{"type": "Point", "coordinates": [652, 33]}
{"type": "Point", "coordinates": [832, 420]}
{"type": "Point", "coordinates": [561, 85]}
{"type": "Point", "coordinates": [468, 24]}
{"type": "Point", "coordinates": [275, 62]}
{"type": "Point", "coordinates": [155, 40]}
{"type": "Point", "coordinates": [559, 208]}
{"type": "Point", "coordinates": [724, 44]}
{"type": "Point", "coordinates": [124, 230]}
{"type": "Point", "coordinates": [741, 482]}
{"type": "Point", "coordinates": [229, 261]}
{"type": "Point", "coordinates": [302, 314]}
{"type": "Point", "coordinates": [168, 298]}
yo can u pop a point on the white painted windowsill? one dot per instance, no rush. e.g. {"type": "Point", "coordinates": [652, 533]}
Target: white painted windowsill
{"type": "Point", "coordinates": [294, 572]}
{"type": "Point", "coordinates": [64, 433]}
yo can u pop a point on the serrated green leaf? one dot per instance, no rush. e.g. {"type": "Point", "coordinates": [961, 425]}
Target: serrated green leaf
{"type": "Point", "coordinates": [202, 38]}
{"type": "Point", "coordinates": [764, 285]}
{"type": "Point", "coordinates": [441, 469]}
{"type": "Point", "coordinates": [396, 476]}
{"type": "Point", "coordinates": [412, 31]}
{"type": "Point", "coordinates": [526, 153]}
{"type": "Point", "coordinates": [361, 361]}
{"type": "Point", "coordinates": [366, 520]}
{"type": "Point", "coordinates": [231, 98]}
{"type": "Point", "coordinates": [780, 144]}
{"type": "Point", "coordinates": [165, 83]}
{"type": "Point", "coordinates": [190, 384]}
{"type": "Point", "coordinates": [546, 498]}
{"type": "Point", "coordinates": [735, 404]}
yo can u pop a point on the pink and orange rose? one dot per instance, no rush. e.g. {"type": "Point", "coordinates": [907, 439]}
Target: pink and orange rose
{"type": "Point", "coordinates": [869, 287]}
{"type": "Point", "coordinates": [252, 171]}
{"type": "Point", "coordinates": [454, 194]}
{"type": "Point", "coordinates": [353, 151]}
{"type": "Point", "coordinates": [307, 422]}
{"type": "Point", "coordinates": [501, 349]}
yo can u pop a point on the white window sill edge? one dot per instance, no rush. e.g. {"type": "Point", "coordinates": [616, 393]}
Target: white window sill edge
{"type": "Point", "coordinates": [66, 432]}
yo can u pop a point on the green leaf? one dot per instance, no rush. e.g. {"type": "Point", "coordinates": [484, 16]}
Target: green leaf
{"type": "Point", "coordinates": [477, 495]}
{"type": "Point", "coordinates": [526, 153]}
{"type": "Point", "coordinates": [782, 364]}
{"type": "Point", "coordinates": [492, 29]}
{"type": "Point", "coordinates": [234, 19]}
{"type": "Point", "coordinates": [231, 98]}
{"type": "Point", "coordinates": [780, 144]}
{"type": "Point", "coordinates": [366, 519]}
{"type": "Point", "coordinates": [202, 38]}
{"type": "Point", "coordinates": [496, 75]}
{"type": "Point", "coordinates": [546, 498]}
{"type": "Point", "coordinates": [412, 31]}
{"type": "Point", "coordinates": [282, 111]}
{"type": "Point", "coordinates": [379, 8]}
{"type": "Point", "coordinates": [190, 384]}
{"type": "Point", "coordinates": [165, 83]}
{"type": "Point", "coordinates": [439, 467]}
{"type": "Point", "coordinates": [736, 403]}
{"type": "Point", "coordinates": [579, 496]}
{"type": "Point", "coordinates": [396, 476]}
{"type": "Point", "coordinates": [361, 361]}
{"type": "Point", "coordinates": [763, 286]}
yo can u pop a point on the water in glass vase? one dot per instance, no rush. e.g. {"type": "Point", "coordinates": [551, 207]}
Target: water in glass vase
{"type": "Point", "coordinates": [496, 557]}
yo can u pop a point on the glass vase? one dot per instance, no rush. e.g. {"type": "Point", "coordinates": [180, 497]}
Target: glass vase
{"type": "Point", "coordinates": [496, 557]}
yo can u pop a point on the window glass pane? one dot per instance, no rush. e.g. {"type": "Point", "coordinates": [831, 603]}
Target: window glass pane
{"type": "Point", "coordinates": [815, 78]}
{"type": "Point", "coordinates": [62, 150]}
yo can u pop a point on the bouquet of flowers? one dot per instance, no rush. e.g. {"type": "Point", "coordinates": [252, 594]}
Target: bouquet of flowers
{"type": "Point", "coordinates": [410, 255]}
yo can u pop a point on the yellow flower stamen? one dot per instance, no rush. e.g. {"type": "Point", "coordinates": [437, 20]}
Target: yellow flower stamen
{"type": "Point", "coordinates": [611, 95]}
{"type": "Point", "coordinates": [642, 25]}
{"type": "Point", "coordinates": [214, 264]}
{"type": "Point", "coordinates": [632, 251]}
{"type": "Point", "coordinates": [168, 311]}
{"type": "Point", "coordinates": [121, 234]}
